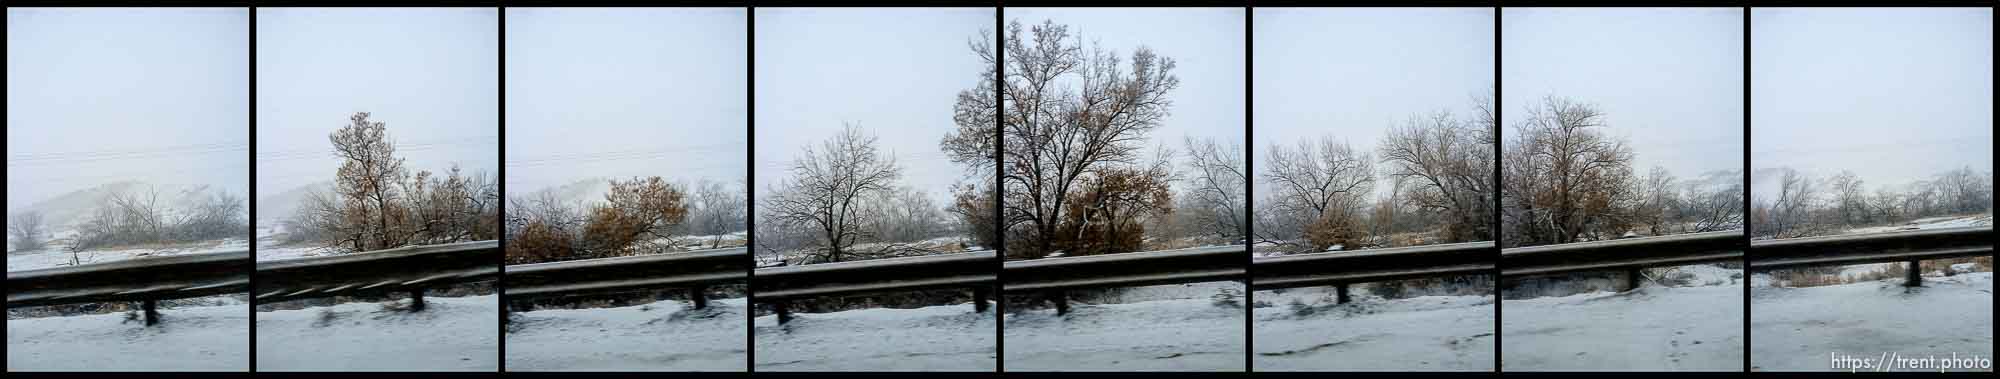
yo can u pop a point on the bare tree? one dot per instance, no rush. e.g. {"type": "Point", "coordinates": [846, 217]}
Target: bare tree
{"type": "Point", "coordinates": [1072, 112]}
{"type": "Point", "coordinates": [28, 231]}
{"type": "Point", "coordinates": [1450, 164]}
{"type": "Point", "coordinates": [1797, 197]}
{"type": "Point", "coordinates": [1564, 178]}
{"type": "Point", "coordinates": [828, 185]}
{"type": "Point", "coordinates": [1849, 197]}
{"type": "Point", "coordinates": [1712, 203]}
{"type": "Point", "coordinates": [1322, 183]}
{"type": "Point", "coordinates": [903, 214]}
{"type": "Point", "coordinates": [1216, 184]}
{"type": "Point", "coordinates": [717, 208]}
{"type": "Point", "coordinates": [1660, 199]}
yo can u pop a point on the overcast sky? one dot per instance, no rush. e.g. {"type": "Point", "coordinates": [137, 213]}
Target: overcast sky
{"type": "Point", "coordinates": [596, 93]}
{"type": "Point", "coordinates": [894, 71]}
{"type": "Point", "coordinates": [1353, 73]}
{"type": "Point", "coordinates": [96, 96]}
{"type": "Point", "coordinates": [1668, 80]}
{"type": "Point", "coordinates": [431, 75]}
{"type": "Point", "coordinates": [1895, 95]}
{"type": "Point", "coordinates": [1206, 45]}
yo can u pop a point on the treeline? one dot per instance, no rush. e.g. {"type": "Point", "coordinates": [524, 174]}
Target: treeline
{"type": "Point", "coordinates": [1803, 206]}
{"type": "Point", "coordinates": [1565, 180]}
{"type": "Point", "coordinates": [124, 218]}
{"type": "Point", "coordinates": [1439, 169]}
{"type": "Point", "coordinates": [637, 216]}
{"type": "Point", "coordinates": [377, 203]}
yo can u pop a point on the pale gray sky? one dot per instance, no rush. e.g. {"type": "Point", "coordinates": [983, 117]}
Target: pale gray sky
{"type": "Point", "coordinates": [1206, 45]}
{"type": "Point", "coordinates": [622, 92]}
{"type": "Point", "coordinates": [103, 95]}
{"type": "Point", "coordinates": [1669, 80]}
{"type": "Point", "coordinates": [894, 71]}
{"type": "Point", "coordinates": [1352, 73]}
{"type": "Point", "coordinates": [431, 74]}
{"type": "Point", "coordinates": [1895, 95]}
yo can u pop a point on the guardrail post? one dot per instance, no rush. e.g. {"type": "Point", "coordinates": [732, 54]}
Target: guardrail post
{"type": "Point", "coordinates": [1340, 294]}
{"type": "Point", "coordinates": [1631, 279]}
{"type": "Point", "coordinates": [152, 310]}
{"type": "Point", "coordinates": [417, 300]}
{"type": "Point", "coordinates": [784, 311]}
{"type": "Point", "coordinates": [699, 296]}
{"type": "Point", "coordinates": [979, 299]}
{"type": "Point", "coordinates": [1061, 300]}
{"type": "Point", "coordinates": [1914, 276]}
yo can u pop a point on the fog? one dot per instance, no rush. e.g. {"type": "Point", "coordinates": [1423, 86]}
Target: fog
{"type": "Point", "coordinates": [97, 96]}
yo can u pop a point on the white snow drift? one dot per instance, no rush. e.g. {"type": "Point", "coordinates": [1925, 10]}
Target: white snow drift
{"type": "Point", "coordinates": [938, 338]}
{"type": "Point", "coordinates": [1650, 329]}
{"type": "Point", "coordinates": [1177, 333]}
{"type": "Point", "coordinates": [214, 338]}
{"type": "Point", "coordinates": [1428, 333]}
{"type": "Point", "coordinates": [450, 334]}
{"type": "Point", "coordinates": [661, 336]}
{"type": "Point", "coordinates": [1798, 329]}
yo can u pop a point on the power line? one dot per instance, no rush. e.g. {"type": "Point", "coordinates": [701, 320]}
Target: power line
{"type": "Point", "coordinates": [51, 159]}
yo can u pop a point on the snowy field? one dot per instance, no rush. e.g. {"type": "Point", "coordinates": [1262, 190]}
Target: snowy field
{"type": "Point", "coordinates": [1427, 333]}
{"type": "Point", "coordinates": [1928, 223]}
{"type": "Point", "coordinates": [1798, 329]}
{"type": "Point", "coordinates": [212, 338]}
{"type": "Point", "coordinates": [1864, 272]}
{"type": "Point", "coordinates": [937, 338]}
{"type": "Point", "coordinates": [1155, 328]}
{"type": "Point", "coordinates": [661, 336]}
{"type": "Point", "coordinates": [59, 256]}
{"type": "Point", "coordinates": [1653, 328]}
{"type": "Point", "coordinates": [450, 334]}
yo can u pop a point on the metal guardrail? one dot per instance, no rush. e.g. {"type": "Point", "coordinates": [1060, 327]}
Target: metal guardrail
{"type": "Point", "coordinates": [410, 269]}
{"type": "Point", "coordinates": [1910, 247]}
{"type": "Point", "coordinates": [1629, 255]}
{"type": "Point", "coordinates": [694, 271]}
{"type": "Point", "coordinates": [779, 285]}
{"type": "Point", "coordinates": [145, 280]}
{"type": "Point", "coordinates": [1341, 269]}
{"type": "Point", "coordinates": [1054, 276]}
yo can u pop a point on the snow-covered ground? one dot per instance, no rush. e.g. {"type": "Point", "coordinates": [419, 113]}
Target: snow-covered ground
{"type": "Point", "coordinates": [1870, 271]}
{"type": "Point", "coordinates": [937, 338]}
{"type": "Point", "coordinates": [213, 338]}
{"type": "Point", "coordinates": [450, 334]}
{"type": "Point", "coordinates": [662, 336]}
{"type": "Point", "coordinates": [1164, 328]}
{"type": "Point", "coordinates": [1928, 223]}
{"type": "Point", "coordinates": [59, 256]}
{"type": "Point", "coordinates": [1428, 333]}
{"type": "Point", "coordinates": [1799, 329]}
{"type": "Point", "coordinates": [1654, 328]}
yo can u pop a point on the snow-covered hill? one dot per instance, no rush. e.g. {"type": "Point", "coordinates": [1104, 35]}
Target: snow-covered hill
{"type": "Point", "coordinates": [274, 208]}
{"type": "Point", "coordinates": [937, 338]}
{"type": "Point", "coordinates": [1798, 329]}
{"type": "Point", "coordinates": [450, 334]}
{"type": "Point", "coordinates": [661, 336]}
